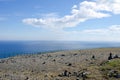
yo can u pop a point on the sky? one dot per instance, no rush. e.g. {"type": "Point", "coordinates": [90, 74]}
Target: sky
{"type": "Point", "coordinates": [66, 20]}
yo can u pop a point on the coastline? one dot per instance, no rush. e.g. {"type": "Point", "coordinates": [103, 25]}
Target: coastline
{"type": "Point", "coordinates": [13, 48]}
{"type": "Point", "coordinates": [54, 65]}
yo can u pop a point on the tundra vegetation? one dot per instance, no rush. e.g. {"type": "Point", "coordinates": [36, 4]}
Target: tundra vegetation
{"type": "Point", "coordinates": [89, 64]}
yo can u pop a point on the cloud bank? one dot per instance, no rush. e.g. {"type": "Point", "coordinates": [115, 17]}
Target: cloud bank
{"type": "Point", "coordinates": [110, 33]}
{"type": "Point", "coordinates": [79, 13]}
{"type": "Point", "coordinates": [110, 30]}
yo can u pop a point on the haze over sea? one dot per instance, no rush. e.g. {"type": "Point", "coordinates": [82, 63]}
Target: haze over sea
{"type": "Point", "coordinates": [13, 48]}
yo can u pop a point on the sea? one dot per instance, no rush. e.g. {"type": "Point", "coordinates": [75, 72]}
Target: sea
{"type": "Point", "coordinates": [14, 48]}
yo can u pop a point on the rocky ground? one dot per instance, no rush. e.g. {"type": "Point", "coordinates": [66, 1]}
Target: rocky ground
{"type": "Point", "coordinates": [89, 64]}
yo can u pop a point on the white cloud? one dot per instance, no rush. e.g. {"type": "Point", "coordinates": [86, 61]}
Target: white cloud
{"type": "Point", "coordinates": [110, 30]}
{"type": "Point", "coordinates": [110, 33]}
{"type": "Point", "coordinates": [84, 11]}
{"type": "Point", "coordinates": [74, 7]}
{"type": "Point", "coordinates": [94, 31]}
{"type": "Point", "coordinates": [111, 5]}
{"type": "Point", "coordinates": [115, 28]}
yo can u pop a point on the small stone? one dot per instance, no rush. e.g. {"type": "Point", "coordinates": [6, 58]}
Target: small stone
{"type": "Point", "coordinates": [62, 55]}
{"type": "Point", "coordinates": [43, 62]}
{"type": "Point", "coordinates": [26, 78]}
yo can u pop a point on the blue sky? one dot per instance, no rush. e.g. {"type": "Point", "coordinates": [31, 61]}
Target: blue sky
{"type": "Point", "coordinates": [73, 20]}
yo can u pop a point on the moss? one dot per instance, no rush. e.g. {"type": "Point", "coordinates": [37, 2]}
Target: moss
{"type": "Point", "coordinates": [112, 65]}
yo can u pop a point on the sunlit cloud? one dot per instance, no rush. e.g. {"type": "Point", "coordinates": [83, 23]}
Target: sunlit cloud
{"type": "Point", "coordinates": [110, 30]}
{"type": "Point", "coordinates": [86, 10]}
{"type": "Point", "coordinates": [80, 13]}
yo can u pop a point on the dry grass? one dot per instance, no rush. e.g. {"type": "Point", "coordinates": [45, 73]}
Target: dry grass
{"type": "Point", "coordinates": [51, 66]}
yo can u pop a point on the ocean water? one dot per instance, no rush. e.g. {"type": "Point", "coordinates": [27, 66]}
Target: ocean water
{"type": "Point", "coordinates": [13, 48]}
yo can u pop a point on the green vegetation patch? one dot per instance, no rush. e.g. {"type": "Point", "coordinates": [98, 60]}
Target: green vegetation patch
{"type": "Point", "coordinates": [111, 69]}
{"type": "Point", "coordinates": [114, 63]}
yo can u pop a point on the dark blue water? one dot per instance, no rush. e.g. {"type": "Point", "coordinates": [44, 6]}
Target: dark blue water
{"type": "Point", "coordinates": [13, 48]}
